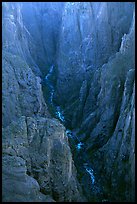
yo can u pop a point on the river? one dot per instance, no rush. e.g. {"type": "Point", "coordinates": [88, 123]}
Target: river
{"type": "Point", "coordinates": [80, 158]}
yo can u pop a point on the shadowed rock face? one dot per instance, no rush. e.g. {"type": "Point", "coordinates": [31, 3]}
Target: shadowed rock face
{"type": "Point", "coordinates": [31, 30]}
{"type": "Point", "coordinates": [37, 160]}
{"type": "Point", "coordinates": [44, 28]}
{"type": "Point", "coordinates": [88, 39]}
{"type": "Point", "coordinates": [107, 127]}
{"type": "Point", "coordinates": [80, 56]}
{"type": "Point", "coordinates": [111, 143]}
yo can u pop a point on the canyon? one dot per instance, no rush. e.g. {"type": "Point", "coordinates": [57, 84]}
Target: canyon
{"type": "Point", "coordinates": [68, 101]}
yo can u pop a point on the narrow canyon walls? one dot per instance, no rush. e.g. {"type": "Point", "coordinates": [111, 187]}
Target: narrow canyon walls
{"type": "Point", "coordinates": [74, 61]}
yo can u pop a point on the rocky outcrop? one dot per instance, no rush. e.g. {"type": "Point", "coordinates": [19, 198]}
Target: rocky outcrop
{"type": "Point", "coordinates": [17, 185]}
{"type": "Point", "coordinates": [37, 161]}
{"type": "Point", "coordinates": [15, 37]}
{"type": "Point", "coordinates": [21, 90]}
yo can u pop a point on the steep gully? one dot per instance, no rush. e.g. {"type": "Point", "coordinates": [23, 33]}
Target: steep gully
{"type": "Point", "coordinates": [78, 147]}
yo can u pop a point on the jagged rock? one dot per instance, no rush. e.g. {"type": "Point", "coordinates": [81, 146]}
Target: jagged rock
{"type": "Point", "coordinates": [38, 147]}
{"type": "Point", "coordinates": [115, 149]}
{"type": "Point", "coordinates": [44, 28]}
{"type": "Point", "coordinates": [51, 160]}
{"type": "Point", "coordinates": [17, 185]}
{"type": "Point", "coordinates": [106, 128]}
{"type": "Point", "coordinates": [15, 37]}
{"type": "Point", "coordinates": [91, 35]}
{"type": "Point", "coordinates": [21, 90]}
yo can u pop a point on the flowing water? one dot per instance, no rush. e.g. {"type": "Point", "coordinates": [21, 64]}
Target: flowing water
{"type": "Point", "coordinates": [81, 160]}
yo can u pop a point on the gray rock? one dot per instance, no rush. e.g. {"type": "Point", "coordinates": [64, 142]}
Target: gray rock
{"type": "Point", "coordinates": [51, 160]}
{"type": "Point", "coordinates": [21, 92]}
{"type": "Point", "coordinates": [38, 147]}
{"type": "Point", "coordinates": [91, 33]}
{"type": "Point", "coordinates": [17, 185]}
{"type": "Point", "coordinates": [115, 149]}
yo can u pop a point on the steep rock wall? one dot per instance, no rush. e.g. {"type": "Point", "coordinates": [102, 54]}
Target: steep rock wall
{"type": "Point", "coordinates": [108, 132]}
{"type": "Point", "coordinates": [37, 160]}
{"type": "Point", "coordinates": [36, 28]}
{"type": "Point", "coordinates": [44, 27]}
{"type": "Point", "coordinates": [21, 90]}
{"type": "Point", "coordinates": [92, 34]}
{"type": "Point", "coordinates": [15, 36]}
{"type": "Point", "coordinates": [118, 154]}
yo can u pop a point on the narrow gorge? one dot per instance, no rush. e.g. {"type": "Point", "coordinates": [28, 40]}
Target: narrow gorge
{"type": "Point", "coordinates": [68, 102]}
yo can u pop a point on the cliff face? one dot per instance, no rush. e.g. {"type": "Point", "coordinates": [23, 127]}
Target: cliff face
{"type": "Point", "coordinates": [80, 56]}
{"type": "Point", "coordinates": [97, 82]}
{"type": "Point", "coordinates": [37, 160]}
{"type": "Point", "coordinates": [22, 93]}
{"type": "Point", "coordinates": [90, 34]}
{"type": "Point", "coordinates": [15, 36]}
{"type": "Point", "coordinates": [33, 28]}
{"type": "Point", "coordinates": [44, 27]}
{"type": "Point", "coordinates": [110, 143]}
